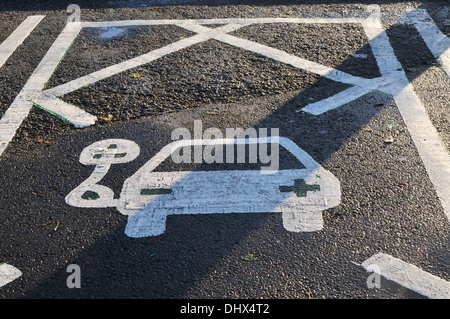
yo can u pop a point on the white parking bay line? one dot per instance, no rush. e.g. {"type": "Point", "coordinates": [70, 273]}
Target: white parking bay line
{"type": "Point", "coordinates": [335, 101]}
{"type": "Point", "coordinates": [408, 276]}
{"type": "Point", "coordinates": [19, 109]}
{"type": "Point", "coordinates": [435, 40]}
{"type": "Point", "coordinates": [66, 111]}
{"type": "Point", "coordinates": [8, 273]}
{"type": "Point", "coordinates": [16, 38]}
{"type": "Point", "coordinates": [242, 21]}
{"type": "Point", "coordinates": [432, 151]}
{"type": "Point", "coordinates": [435, 157]}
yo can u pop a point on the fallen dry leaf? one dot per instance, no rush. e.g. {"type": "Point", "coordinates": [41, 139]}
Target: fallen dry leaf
{"type": "Point", "coordinates": [107, 119]}
{"type": "Point", "coordinates": [39, 140]}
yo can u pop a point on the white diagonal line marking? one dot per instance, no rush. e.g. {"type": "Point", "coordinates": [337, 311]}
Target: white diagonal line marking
{"type": "Point", "coordinates": [361, 86]}
{"type": "Point", "coordinates": [153, 55]}
{"type": "Point", "coordinates": [8, 46]}
{"type": "Point", "coordinates": [335, 101]}
{"type": "Point", "coordinates": [290, 59]}
{"type": "Point", "coordinates": [435, 40]}
{"type": "Point", "coordinates": [123, 66]}
{"type": "Point", "coordinates": [409, 276]}
{"type": "Point", "coordinates": [19, 109]}
{"type": "Point", "coordinates": [74, 115]}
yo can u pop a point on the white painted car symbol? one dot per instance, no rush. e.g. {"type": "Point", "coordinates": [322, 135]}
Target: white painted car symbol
{"type": "Point", "coordinates": [149, 196]}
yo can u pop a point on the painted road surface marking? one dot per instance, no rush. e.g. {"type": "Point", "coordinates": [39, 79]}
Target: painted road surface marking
{"type": "Point", "coordinates": [409, 276]}
{"type": "Point", "coordinates": [392, 81]}
{"type": "Point", "coordinates": [21, 106]}
{"type": "Point", "coordinates": [435, 40]}
{"type": "Point", "coordinates": [148, 197]}
{"type": "Point", "coordinates": [8, 273]}
{"type": "Point", "coordinates": [102, 154]}
{"type": "Point", "coordinates": [432, 151]}
{"type": "Point", "coordinates": [66, 111]}
{"type": "Point", "coordinates": [135, 62]}
{"type": "Point", "coordinates": [16, 38]}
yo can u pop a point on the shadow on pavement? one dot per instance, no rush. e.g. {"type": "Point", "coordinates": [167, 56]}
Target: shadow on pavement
{"type": "Point", "coordinates": [175, 264]}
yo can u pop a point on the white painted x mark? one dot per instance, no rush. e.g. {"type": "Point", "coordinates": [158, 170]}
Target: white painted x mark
{"type": "Point", "coordinates": [49, 99]}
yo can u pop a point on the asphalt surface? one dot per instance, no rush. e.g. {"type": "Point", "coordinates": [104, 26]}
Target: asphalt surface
{"type": "Point", "coordinates": [388, 202]}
